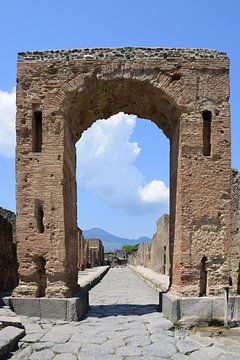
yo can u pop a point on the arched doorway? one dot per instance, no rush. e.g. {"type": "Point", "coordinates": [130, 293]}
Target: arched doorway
{"type": "Point", "coordinates": [61, 94]}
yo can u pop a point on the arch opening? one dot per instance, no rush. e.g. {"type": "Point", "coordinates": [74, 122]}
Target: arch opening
{"type": "Point", "coordinates": [101, 99]}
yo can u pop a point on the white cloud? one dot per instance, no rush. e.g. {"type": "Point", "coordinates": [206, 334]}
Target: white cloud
{"type": "Point", "coordinates": [106, 167]}
{"type": "Point", "coordinates": [154, 192]}
{"type": "Point", "coordinates": [7, 122]}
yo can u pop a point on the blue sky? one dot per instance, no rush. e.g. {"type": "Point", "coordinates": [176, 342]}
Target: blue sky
{"type": "Point", "coordinates": [28, 25]}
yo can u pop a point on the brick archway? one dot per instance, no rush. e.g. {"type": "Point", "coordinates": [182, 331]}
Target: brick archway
{"type": "Point", "coordinates": [61, 93]}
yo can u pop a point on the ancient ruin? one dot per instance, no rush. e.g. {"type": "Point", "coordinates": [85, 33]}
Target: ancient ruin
{"type": "Point", "coordinates": [60, 94]}
{"type": "Point", "coordinates": [155, 255]}
{"type": "Point", "coordinates": [8, 255]}
{"type": "Point", "coordinates": [82, 251]}
{"type": "Point", "coordinates": [235, 225]}
{"type": "Point", "coordinates": [95, 252]}
{"type": "Point", "coordinates": [159, 257]}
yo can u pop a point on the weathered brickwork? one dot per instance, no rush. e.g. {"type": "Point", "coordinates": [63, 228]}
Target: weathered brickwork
{"type": "Point", "coordinates": [8, 256]}
{"type": "Point", "coordinates": [235, 226]}
{"type": "Point", "coordinates": [82, 251]}
{"type": "Point", "coordinates": [159, 258]}
{"type": "Point", "coordinates": [95, 252]}
{"type": "Point", "coordinates": [62, 93]}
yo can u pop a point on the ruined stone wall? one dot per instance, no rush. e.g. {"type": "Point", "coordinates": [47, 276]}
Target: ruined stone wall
{"type": "Point", "coordinates": [8, 256]}
{"type": "Point", "coordinates": [82, 251]}
{"type": "Point", "coordinates": [235, 226]}
{"type": "Point", "coordinates": [95, 252]}
{"type": "Point", "coordinates": [142, 256]}
{"type": "Point", "coordinates": [160, 261]}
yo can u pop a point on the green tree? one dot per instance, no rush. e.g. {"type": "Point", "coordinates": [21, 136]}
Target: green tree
{"type": "Point", "coordinates": [130, 248]}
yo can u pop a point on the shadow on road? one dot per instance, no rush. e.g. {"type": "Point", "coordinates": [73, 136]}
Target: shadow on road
{"type": "Point", "coordinates": [121, 309]}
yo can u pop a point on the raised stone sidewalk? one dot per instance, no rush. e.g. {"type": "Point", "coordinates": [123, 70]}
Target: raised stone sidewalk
{"type": "Point", "coordinates": [156, 281]}
{"type": "Point", "coordinates": [90, 277]}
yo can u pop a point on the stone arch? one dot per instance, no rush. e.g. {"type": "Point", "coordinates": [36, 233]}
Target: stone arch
{"type": "Point", "coordinates": [171, 87]}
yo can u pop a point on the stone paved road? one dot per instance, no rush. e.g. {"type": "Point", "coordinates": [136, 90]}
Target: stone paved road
{"type": "Point", "coordinates": [123, 323]}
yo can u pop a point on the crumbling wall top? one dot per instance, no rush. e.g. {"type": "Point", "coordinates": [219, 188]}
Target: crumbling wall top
{"type": "Point", "coordinates": [119, 53]}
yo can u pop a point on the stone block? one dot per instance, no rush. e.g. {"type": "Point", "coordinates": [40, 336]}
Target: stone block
{"type": "Point", "coordinates": [170, 307]}
{"type": "Point", "coordinates": [70, 309]}
{"type": "Point", "coordinates": [234, 309]}
{"type": "Point", "coordinates": [11, 335]}
{"type": "Point", "coordinates": [218, 309]}
{"type": "Point", "coordinates": [26, 306]}
{"type": "Point", "coordinates": [195, 307]}
{"type": "Point", "coordinates": [11, 321]}
{"type": "Point", "coordinates": [77, 307]}
{"type": "Point", "coordinates": [197, 310]}
{"type": "Point", "coordinates": [53, 308]}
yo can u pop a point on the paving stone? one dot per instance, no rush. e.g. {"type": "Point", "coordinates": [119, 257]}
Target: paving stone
{"type": "Point", "coordinates": [32, 338]}
{"type": "Point", "coordinates": [162, 338]}
{"type": "Point", "coordinates": [129, 350]}
{"type": "Point", "coordinates": [210, 353]}
{"type": "Point", "coordinates": [11, 321]}
{"type": "Point", "coordinates": [163, 324]}
{"type": "Point", "coordinates": [33, 328]}
{"type": "Point", "coordinates": [46, 354]}
{"type": "Point", "coordinates": [56, 336]}
{"type": "Point", "coordinates": [65, 356]}
{"type": "Point", "coordinates": [205, 341]}
{"type": "Point", "coordinates": [84, 338]}
{"type": "Point", "coordinates": [69, 347]}
{"type": "Point", "coordinates": [161, 350]}
{"type": "Point", "coordinates": [179, 356]}
{"type": "Point", "coordinates": [6, 311]}
{"type": "Point", "coordinates": [66, 329]}
{"type": "Point", "coordinates": [11, 335]}
{"type": "Point", "coordinates": [23, 354]}
{"type": "Point", "coordinates": [138, 340]}
{"type": "Point", "coordinates": [98, 349]}
{"type": "Point", "coordinates": [42, 345]}
{"type": "Point", "coordinates": [87, 356]}
{"type": "Point", "coordinates": [187, 346]}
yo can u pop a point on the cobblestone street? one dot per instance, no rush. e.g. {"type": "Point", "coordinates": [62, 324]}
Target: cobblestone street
{"type": "Point", "coordinates": [122, 323]}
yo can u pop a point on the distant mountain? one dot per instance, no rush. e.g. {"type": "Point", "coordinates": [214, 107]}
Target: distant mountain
{"type": "Point", "coordinates": [112, 242]}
